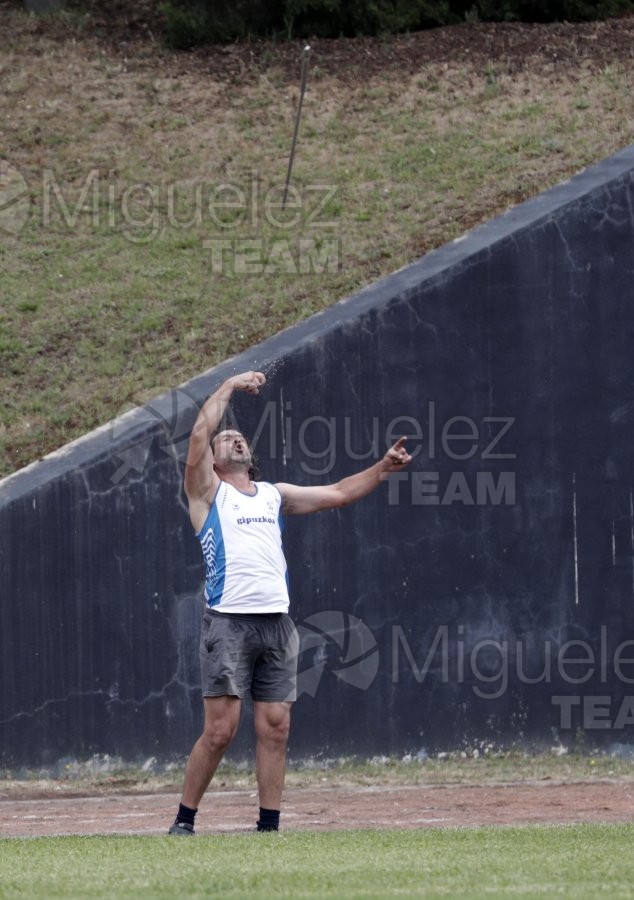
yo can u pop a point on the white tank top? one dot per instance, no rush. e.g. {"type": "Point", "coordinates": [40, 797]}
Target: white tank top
{"type": "Point", "coordinates": [245, 567]}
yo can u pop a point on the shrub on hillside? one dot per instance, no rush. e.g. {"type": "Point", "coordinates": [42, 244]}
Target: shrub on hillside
{"type": "Point", "coordinates": [190, 22]}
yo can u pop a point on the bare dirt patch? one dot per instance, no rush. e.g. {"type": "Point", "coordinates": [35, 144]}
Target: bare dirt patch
{"type": "Point", "coordinates": [328, 808]}
{"type": "Point", "coordinates": [136, 32]}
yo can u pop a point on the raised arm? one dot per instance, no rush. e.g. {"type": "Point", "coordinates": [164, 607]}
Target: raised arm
{"type": "Point", "coordinates": [297, 500]}
{"type": "Point", "coordinates": [201, 481]}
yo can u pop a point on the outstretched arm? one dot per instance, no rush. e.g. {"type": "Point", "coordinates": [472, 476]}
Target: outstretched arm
{"type": "Point", "coordinates": [298, 499]}
{"type": "Point", "coordinates": [201, 481]}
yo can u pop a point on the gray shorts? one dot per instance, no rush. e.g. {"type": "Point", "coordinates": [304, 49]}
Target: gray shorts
{"type": "Point", "coordinates": [249, 653]}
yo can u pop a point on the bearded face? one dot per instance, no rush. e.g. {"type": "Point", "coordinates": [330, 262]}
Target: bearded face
{"type": "Point", "coordinates": [231, 449]}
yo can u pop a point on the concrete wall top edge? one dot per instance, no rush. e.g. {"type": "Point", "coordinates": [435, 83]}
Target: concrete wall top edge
{"type": "Point", "coordinates": [102, 441]}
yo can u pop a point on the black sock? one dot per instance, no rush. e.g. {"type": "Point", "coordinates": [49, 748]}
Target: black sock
{"type": "Point", "coordinates": [185, 814]}
{"type": "Point", "coordinates": [269, 820]}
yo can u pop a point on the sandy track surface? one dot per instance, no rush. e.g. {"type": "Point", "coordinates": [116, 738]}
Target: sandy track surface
{"type": "Point", "coordinates": [410, 806]}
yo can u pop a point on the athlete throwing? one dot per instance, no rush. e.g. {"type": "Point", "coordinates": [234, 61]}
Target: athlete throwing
{"type": "Point", "coordinates": [249, 644]}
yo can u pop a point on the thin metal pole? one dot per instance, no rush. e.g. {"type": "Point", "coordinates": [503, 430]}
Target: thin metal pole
{"type": "Point", "coordinates": [302, 91]}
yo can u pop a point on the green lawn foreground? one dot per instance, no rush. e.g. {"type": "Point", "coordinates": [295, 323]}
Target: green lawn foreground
{"type": "Point", "coordinates": [573, 861]}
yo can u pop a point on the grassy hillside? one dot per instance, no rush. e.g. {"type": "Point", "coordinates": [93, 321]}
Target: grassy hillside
{"type": "Point", "coordinates": [146, 243]}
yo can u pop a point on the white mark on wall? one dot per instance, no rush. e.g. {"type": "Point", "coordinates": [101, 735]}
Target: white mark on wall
{"type": "Point", "coordinates": [282, 428]}
{"type": "Point", "coordinates": [574, 536]}
{"type": "Point", "coordinates": [613, 545]}
{"type": "Point", "coordinates": [632, 537]}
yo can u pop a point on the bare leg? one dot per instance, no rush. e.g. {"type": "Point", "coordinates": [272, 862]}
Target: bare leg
{"type": "Point", "coordinates": [222, 716]}
{"type": "Point", "coordinates": [272, 722]}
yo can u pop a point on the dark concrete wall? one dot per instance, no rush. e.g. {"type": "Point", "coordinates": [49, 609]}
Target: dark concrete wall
{"type": "Point", "coordinates": [436, 613]}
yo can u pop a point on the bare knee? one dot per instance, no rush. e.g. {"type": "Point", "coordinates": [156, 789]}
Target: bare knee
{"type": "Point", "coordinates": [277, 733]}
{"type": "Point", "coordinates": [216, 739]}
{"type": "Point", "coordinates": [273, 723]}
{"type": "Point", "coordinates": [222, 716]}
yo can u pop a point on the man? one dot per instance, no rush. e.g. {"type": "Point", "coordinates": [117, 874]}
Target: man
{"type": "Point", "coordinates": [249, 644]}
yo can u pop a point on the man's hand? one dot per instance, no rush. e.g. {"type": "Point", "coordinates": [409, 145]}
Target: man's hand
{"type": "Point", "coordinates": [251, 382]}
{"type": "Point", "coordinates": [396, 457]}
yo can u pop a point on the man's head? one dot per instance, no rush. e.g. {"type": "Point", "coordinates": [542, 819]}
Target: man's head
{"type": "Point", "coordinates": [231, 450]}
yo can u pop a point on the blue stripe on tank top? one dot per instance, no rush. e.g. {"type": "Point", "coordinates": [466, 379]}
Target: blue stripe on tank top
{"type": "Point", "coordinates": [218, 567]}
